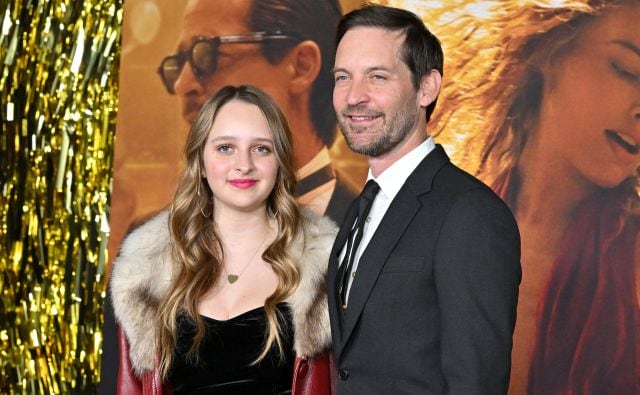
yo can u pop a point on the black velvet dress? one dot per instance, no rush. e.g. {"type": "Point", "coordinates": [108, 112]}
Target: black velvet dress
{"type": "Point", "coordinates": [226, 353]}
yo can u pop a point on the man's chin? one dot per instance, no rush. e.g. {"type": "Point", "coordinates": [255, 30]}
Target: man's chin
{"type": "Point", "coordinates": [189, 116]}
{"type": "Point", "coordinates": [190, 112]}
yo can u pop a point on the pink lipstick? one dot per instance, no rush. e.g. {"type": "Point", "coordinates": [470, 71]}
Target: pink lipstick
{"type": "Point", "coordinates": [243, 183]}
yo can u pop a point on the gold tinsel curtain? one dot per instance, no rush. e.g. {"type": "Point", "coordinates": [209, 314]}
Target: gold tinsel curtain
{"type": "Point", "coordinates": [58, 88]}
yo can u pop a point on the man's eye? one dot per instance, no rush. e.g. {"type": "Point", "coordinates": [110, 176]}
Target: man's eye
{"type": "Point", "coordinates": [341, 78]}
{"type": "Point", "coordinates": [378, 77]}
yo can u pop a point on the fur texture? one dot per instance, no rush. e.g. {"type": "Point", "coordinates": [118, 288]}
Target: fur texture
{"type": "Point", "coordinates": [143, 272]}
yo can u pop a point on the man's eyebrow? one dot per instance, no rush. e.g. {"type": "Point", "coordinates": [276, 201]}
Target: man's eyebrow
{"type": "Point", "coordinates": [628, 45]}
{"type": "Point", "coordinates": [368, 70]}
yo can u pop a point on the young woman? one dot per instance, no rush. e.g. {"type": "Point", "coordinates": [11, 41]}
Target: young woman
{"type": "Point", "coordinates": [551, 110]}
{"type": "Point", "coordinates": [219, 294]}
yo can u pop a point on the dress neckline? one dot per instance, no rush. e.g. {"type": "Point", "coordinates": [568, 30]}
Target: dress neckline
{"type": "Point", "coordinates": [235, 317]}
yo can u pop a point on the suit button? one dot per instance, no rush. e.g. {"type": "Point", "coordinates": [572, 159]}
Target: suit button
{"type": "Point", "coordinates": [343, 374]}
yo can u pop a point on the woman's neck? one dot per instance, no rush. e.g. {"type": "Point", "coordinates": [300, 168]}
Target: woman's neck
{"type": "Point", "coordinates": [237, 228]}
{"type": "Point", "coordinates": [549, 192]}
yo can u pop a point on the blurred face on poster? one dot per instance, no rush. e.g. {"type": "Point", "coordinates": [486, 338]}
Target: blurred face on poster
{"type": "Point", "coordinates": [217, 47]}
{"type": "Point", "coordinates": [206, 61]}
{"type": "Point", "coordinates": [590, 112]}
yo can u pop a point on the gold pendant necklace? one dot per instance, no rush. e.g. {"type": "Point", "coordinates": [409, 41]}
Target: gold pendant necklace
{"type": "Point", "coordinates": [232, 278]}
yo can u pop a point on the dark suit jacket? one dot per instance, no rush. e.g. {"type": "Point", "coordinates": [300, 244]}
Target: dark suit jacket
{"type": "Point", "coordinates": [340, 199]}
{"type": "Point", "coordinates": [433, 307]}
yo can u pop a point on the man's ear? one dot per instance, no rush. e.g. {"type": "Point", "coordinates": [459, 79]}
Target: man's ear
{"type": "Point", "coordinates": [429, 87]}
{"type": "Point", "coordinates": [305, 61]}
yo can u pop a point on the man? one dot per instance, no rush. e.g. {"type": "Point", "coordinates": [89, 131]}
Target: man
{"type": "Point", "coordinates": [428, 302]}
{"type": "Point", "coordinates": [284, 47]}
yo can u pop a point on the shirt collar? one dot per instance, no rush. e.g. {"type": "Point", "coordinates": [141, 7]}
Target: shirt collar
{"type": "Point", "coordinates": [319, 161]}
{"type": "Point", "coordinates": [394, 177]}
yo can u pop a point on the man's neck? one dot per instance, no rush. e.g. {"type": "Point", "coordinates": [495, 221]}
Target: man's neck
{"type": "Point", "coordinates": [381, 163]}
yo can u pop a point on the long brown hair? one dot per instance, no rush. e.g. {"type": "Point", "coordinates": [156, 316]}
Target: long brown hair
{"type": "Point", "coordinates": [496, 65]}
{"type": "Point", "coordinates": [196, 248]}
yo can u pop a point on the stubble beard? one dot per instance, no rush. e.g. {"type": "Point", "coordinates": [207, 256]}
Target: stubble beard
{"type": "Point", "coordinates": [386, 137]}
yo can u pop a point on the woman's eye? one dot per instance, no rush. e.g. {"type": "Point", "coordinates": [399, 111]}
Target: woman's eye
{"type": "Point", "coordinates": [262, 149]}
{"type": "Point", "coordinates": [224, 148]}
{"type": "Point", "coordinates": [625, 73]}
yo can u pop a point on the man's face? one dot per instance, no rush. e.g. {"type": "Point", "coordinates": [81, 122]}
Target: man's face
{"type": "Point", "coordinates": [376, 104]}
{"type": "Point", "coordinates": [237, 63]}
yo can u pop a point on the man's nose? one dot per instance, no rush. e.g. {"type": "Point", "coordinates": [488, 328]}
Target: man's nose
{"type": "Point", "coordinates": [187, 83]}
{"type": "Point", "coordinates": [358, 92]}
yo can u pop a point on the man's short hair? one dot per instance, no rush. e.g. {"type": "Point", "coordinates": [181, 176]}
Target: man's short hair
{"type": "Point", "coordinates": [421, 50]}
{"type": "Point", "coordinates": [313, 20]}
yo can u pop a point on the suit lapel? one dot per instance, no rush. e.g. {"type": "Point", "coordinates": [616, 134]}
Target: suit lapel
{"type": "Point", "coordinates": [399, 215]}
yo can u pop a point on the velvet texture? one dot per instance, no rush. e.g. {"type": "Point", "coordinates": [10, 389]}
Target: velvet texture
{"type": "Point", "coordinates": [224, 364]}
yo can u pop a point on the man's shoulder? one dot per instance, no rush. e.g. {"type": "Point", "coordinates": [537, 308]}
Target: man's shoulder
{"type": "Point", "coordinates": [453, 173]}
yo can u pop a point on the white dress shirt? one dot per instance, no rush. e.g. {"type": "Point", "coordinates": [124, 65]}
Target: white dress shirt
{"type": "Point", "coordinates": [390, 182]}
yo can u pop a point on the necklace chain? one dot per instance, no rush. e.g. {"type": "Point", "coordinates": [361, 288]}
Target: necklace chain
{"type": "Point", "coordinates": [232, 278]}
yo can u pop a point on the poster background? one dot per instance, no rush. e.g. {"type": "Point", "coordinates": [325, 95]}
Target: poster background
{"type": "Point", "coordinates": [151, 132]}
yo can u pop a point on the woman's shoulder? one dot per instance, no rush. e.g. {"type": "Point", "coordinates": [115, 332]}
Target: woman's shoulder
{"type": "Point", "coordinates": [144, 260]}
{"type": "Point", "coordinates": [140, 278]}
{"type": "Point", "coordinates": [317, 226]}
{"type": "Point", "coordinates": [148, 237]}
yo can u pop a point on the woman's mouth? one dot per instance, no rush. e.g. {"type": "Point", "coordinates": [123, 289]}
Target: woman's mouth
{"type": "Point", "coordinates": [243, 183]}
{"type": "Point", "coordinates": [624, 141]}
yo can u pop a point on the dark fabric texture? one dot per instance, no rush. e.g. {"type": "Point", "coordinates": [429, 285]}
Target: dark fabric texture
{"type": "Point", "coordinates": [433, 307]}
{"type": "Point", "coordinates": [364, 202]}
{"type": "Point", "coordinates": [225, 357]}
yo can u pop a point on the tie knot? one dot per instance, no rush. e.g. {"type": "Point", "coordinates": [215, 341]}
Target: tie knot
{"type": "Point", "coordinates": [370, 190]}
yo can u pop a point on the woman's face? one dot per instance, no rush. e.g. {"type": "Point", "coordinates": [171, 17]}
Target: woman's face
{"type": "Point", "coordinates": [590, 113]}
{"type": "Point", "coordinates": [239, 158]}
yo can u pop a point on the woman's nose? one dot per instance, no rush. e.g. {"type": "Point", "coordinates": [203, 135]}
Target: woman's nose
{"type": "Point", "coordinates": [244, 163]}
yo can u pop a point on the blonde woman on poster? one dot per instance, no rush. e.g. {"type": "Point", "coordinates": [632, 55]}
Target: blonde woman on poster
{"type": "Point", "coordinates": [547, 99]}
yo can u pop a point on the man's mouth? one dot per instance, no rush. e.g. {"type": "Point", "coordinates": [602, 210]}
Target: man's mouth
{"type": "Point", "coordinates": [623, 140]}
{"type": "Point", "coordinates": [190, 111]}
{"type": "Point", "coordinates": [359, 118]}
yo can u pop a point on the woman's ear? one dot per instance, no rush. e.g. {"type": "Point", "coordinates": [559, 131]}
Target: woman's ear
{"type": "Point", "coordinates": [429, 88]}
{"type": "Point", "coordinates": [306, 61]}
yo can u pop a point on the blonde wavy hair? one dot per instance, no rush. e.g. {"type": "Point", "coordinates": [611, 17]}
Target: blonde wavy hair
{"type": "Point", "coordinates": [196, 248]}
{"type": "Point", "coordinates": [495, 53]}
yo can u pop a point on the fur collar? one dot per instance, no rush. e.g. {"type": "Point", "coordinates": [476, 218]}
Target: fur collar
{"type": "Point", "coordinates": [143, 271]}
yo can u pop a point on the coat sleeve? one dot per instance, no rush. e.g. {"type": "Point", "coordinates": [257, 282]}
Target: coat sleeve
{"type": "Point", "coordinates": [128, 383]}
{"type": "Point", "coordinates": [151, 382]}
{"type": "Point", "coordinates": [314, 376]}
{"type": "Point", "coordinates": [477, 274]}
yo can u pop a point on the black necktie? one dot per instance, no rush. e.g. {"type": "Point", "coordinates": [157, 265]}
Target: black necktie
{"type": "Point", "coordinates": [365, 201]}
